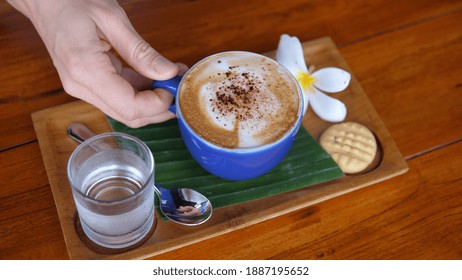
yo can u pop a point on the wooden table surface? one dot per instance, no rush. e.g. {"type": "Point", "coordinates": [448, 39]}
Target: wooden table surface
{"type": "Point", "coordinates": [407, 55]}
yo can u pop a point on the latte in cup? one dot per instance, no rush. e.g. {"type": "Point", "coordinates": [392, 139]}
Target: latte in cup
{"type": "Point", "coordinates": [239, 100]}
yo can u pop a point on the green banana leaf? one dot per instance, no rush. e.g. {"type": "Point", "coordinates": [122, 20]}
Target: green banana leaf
{"type": "Point", "coordinates": [305, 165]}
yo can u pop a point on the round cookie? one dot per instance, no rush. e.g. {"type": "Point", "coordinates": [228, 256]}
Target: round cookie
{"type": "Point", "coordinates": [351, 145]}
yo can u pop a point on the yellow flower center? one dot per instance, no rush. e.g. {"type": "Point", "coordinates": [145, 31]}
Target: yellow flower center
{"type": "Point", "coordinates": [305, 80]}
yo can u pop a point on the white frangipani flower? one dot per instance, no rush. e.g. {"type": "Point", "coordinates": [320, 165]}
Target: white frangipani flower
{"type": "Point", "coordinates": [330, 79]}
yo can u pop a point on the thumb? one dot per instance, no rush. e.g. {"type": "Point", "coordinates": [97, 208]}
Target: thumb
{"type": "Point", "coordinates": [147, 61]}
{"type": "Point", "coordinates": [136, 51]}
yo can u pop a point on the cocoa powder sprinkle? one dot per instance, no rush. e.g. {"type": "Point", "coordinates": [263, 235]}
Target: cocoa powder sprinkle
{"type": "Point", "coordinates": [236, 95]}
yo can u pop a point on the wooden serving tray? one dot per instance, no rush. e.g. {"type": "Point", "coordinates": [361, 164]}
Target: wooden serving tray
{"type": "Point", "coordinates": [50, 125]}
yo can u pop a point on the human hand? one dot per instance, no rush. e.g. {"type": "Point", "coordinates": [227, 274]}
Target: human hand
{"type": "Point", "coordinates": [79, 36]}
{"type": "Point", "coordinates": [187, 211]}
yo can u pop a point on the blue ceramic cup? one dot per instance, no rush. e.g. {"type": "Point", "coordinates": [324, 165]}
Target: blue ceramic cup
{"type": "Point", "coordinates": [239, 163]}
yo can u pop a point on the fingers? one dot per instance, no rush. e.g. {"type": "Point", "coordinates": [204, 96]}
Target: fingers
{"type": "Point", "coordinates": [136, 80]}
{"type": "Point", "coordinates": [99, 83]}
{"type": "Point", "coordinates": [182, 68]}
{"type": "Point", "coordinates": [130, 107]}
{"type": "Point", "coordinates": [137, 110]}
{"type": "Point", "coordinates": [147, 107]}
{"type": "Point", "coordinates": [140, 82]}
{"type": "Point", "coordinates": [79, 49]}
{"type": "Point", "coordinates": [133, 49]}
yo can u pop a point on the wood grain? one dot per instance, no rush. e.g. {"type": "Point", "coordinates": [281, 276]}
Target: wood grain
{"type": "Point", "coordinates": [200, 28]}
{"type": "Point", "coordinates": [29, 224]}
{"type": "Point", "coordinates": [419, 82]}
{"type": "Point", "coordinates": [405, 54]}
{"type": "Point", "coordinates": [51, 124]}
{"type": "Point", "coordinates": [406, 217]}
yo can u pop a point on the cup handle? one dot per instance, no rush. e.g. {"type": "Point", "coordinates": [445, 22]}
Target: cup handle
{"type": "Point", "coordinates": [172, 86]}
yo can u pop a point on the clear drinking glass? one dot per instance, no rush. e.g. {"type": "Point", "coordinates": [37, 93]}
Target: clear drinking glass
{"type": "Point", "coordinates": [112, 179]}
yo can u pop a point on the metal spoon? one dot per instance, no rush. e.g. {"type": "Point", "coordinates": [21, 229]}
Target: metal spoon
{"type": "Point", "coordinates": [183, 206]}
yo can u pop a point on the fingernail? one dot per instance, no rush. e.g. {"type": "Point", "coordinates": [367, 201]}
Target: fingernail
{"type": "Point", "coordinates": [163, 65]}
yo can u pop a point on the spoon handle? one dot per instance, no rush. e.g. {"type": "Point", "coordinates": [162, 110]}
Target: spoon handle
{"type": "Point", "coordinates": [79, 132]}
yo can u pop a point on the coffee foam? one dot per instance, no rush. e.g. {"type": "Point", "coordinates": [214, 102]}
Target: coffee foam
{"type": "Point", "coordinates": [240, 101]}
